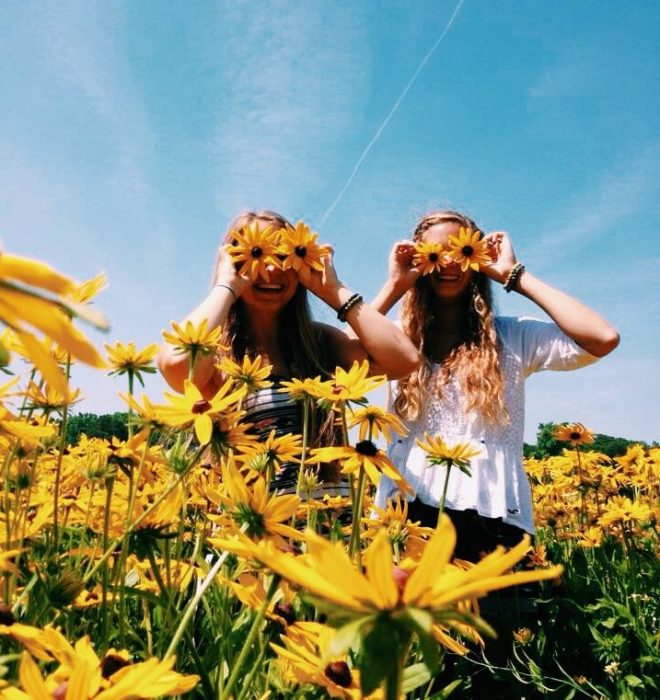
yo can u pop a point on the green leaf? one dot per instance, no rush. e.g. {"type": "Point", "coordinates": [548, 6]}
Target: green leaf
{"type": "Point", "coordinates": [634, 681]}
{"type": "Point", "coordinates": [447, 690]}
{"type": "Point", "coordinates": [347, 636]}
{"type": "Point", "coordinates": [420, 622]}
{"type": "Point", "coordinates": [380, 650]}
{"type": "Point", "coordinates": [414, 676]}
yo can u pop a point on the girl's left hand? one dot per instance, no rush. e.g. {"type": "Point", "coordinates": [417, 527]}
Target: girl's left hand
{"type": "Point", "coordinates": [501, 251]}
{"type": "Point", "coordinates": [325, 284]}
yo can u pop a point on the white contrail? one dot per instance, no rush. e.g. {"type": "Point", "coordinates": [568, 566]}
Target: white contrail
{"type": "Point", "coordinates": [395, 106]}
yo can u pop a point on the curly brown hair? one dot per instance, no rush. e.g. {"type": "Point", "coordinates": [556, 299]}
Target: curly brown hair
{"type": "Point", "coordinates": [474, 361]}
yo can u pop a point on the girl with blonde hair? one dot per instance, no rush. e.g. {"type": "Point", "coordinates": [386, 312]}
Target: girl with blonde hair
{"type": "Point", "coordinates": [270, 317]}
{"type": "Point", "coordinates": [470, 385]}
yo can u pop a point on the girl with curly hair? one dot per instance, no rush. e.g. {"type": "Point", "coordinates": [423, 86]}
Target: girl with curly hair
{"type": "Point", "coordinates": [470, 385]}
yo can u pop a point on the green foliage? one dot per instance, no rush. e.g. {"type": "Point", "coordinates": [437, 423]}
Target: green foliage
{"type": "Point", "coordinates": [547, 446]}
{"type": "Point", "coordinates": [105, 426]}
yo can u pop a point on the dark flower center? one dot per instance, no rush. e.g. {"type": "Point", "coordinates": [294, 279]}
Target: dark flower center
{"type": "Point", "coordinates": [300, 251]}
{"type": "Point", "coordinates": [200, 406]}
{"type": "Point", "coordinates": [339, 672]}
{"type": "Point", "coordinates": [433, 257]}
{"type": "Point", "coordinates": [366, 447]}
{"type": "Point", "coordinates": [467, 250]}
{"type": "Point", "coordinates": [575, 436]}
{"type": "Point", "coordinates": [111, 664]}
{"type": "Point", "coordinates": [285, 611]}
{"type": "Point", "coordinates": [6, 616]}
{"type": "Point", "coordinates": [256, 252]}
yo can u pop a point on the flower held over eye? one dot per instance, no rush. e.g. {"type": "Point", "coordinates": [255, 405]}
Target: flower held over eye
{"type": "Point", "coordinates": [256, 249]}
{"type": "Point", "coordinates": [469, 249]}
{"type": "Point", "coordinates": [429, 257]}
{"type": "Point", "coordinates": [301, 248]}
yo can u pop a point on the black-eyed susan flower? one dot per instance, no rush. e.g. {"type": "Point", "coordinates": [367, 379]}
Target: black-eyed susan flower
{"type": "Point", "coordinates": [192, 409]}
{"type": "Point", "coordinates": [575, 433]}
{"type": "Point", "coordinates": [49, 399]}
{"type": "Point", "coordinates": [194, 339]}
{"type": "Point", "coordinates": [441, 454]}
{"type": "Point", "coordinates": [300, 247]}
{"type": "Point", "coordinates": [351, 385]}
{"type": "Point", "coordinates": [429, 257]}
{"type": "Point", "coordinates": [375, 421]}
{"type": "Point", "coordinates": [253, 374]}
{"type": "Point", "coordinates": [469, 249]}
{"type": "Point", "coordinates": [365, 455]}
{"type": "Point", "coordinates": [381, 602]}
{"type": "Point", "coordinates": [268, 456]}
{"type": "Point", "coordinates": [303, 389]}
{"type": "Point", "coordinates": [127, 359]}
{"type": "Point", "coordinates": [255, 248]}
{"type": "Point", "coordinates": [262, 514]}
{"type": "Point", "coordinates": [406, 537]}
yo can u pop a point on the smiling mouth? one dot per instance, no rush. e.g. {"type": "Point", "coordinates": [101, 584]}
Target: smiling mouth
{"type": "Point", "coordinates": [448, 278]}
{"type": "Point", "coordinates": [269, 288]}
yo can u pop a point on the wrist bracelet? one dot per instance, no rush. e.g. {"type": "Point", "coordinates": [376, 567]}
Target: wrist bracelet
{"type": "Point", "coordinates": [347, 306]}
{"type": "Point", "coordinates": [513, 277]}
{"type": "Point", "coordinates": [226, 286]}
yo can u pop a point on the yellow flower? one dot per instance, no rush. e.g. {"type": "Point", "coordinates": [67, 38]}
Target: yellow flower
{"type": "Point", "coordinates": [271, 453]}
{"type": "Point", "coordinates": [300, 247]}
{"type": "Point", "coordinates": [193, 409]}
{"type": "Point", "coordinates": [25, 305]}
{"type": "Point", "coordinates": [128, 359]}
{"type": "Point", "coordinates": [435, 591]}
{"type": "Point", "coordinates": [304, 658]}
{"type": "Point", "coordinates": [194, 339]}
{"type": "Point", "coordinates": [30, 433]}
{"type": "Point", "coordinates": [575, 433]}
{"type": "Point", "coordinates": [256, 249]}
{"type": "Point", "coordinates": [375, 421]}
{"type": "Point", "coordinates": [523, 636]}
{"type": "Point", "coordinates": [590, 538]}
{"type": "Point", "coordinates": [442, 454]}
{"type": "Point", "coordinates": [404, 536]}
{"type": "Point", "coordinates": [87, 290]}
{"type": "Point", "coordinates": [621, 510]}
{"type": "Point", "coordinates": [429, 257]}
{"type": "Point", "coordinates": [263, 514]}
{"type": "Point", "coordinates": [351, 385]}
{"type": "Point", "coordinates": [49, 399]}
{"type": "Point", "coordinates": [301, 389]}
{"type": "Point", "coordinates": [364, 455]}
{"type": "Point", "coordinates": [253, 374]}
{"type": "Point", "coordinates": [469, 249]}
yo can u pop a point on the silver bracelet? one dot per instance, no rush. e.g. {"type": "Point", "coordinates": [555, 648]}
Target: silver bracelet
{"type": "Point", "coordinates": [226, 286]}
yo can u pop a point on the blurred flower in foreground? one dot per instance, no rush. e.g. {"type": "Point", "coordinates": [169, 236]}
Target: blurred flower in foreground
{"type": "Point", "coordinates": [34, 296]}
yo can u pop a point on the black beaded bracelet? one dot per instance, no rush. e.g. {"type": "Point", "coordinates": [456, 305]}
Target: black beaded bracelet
{"type": "Point", "coordinates": [513, 277]}
{"type": "Point", "coordinates": [347, 306]}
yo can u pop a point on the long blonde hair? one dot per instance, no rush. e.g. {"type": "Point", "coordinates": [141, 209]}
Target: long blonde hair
{"type": "Point", "coordinates": [474, 361]}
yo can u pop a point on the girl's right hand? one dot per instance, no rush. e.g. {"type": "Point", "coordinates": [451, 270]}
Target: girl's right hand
{"type": "Point", "coordinates": [401, 272]}
{"type": "Point", "coordinates": [227, 273]}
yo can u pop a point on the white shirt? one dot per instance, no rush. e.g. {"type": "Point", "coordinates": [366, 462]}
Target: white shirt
{"type": "Point", "coordinates": [498, 487]}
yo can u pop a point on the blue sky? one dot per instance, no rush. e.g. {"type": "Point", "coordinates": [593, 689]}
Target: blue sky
{"type": "Point", "coordinates": [131, 132]}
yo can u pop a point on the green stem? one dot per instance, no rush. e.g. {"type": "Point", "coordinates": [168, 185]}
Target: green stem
{"type": "Point", "coordinates": [354, 546]}
{"type": "Point", "coordinates": [444, 490]}
{"type": "Point", "coordinates": [247, 645]}
{"type": "Point", "coordinates": [60, 455]}
{"type": "Point", "coordinates": [303, 455]}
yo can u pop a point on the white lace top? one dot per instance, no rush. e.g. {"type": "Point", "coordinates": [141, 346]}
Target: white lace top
{"type": "Point", "coordinates": [498, 487]}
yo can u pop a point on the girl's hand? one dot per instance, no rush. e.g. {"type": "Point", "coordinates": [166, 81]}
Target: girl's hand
{"type": "Point", "coordinates": [227, 273]}
{"type": "Point", "coordinates": [325, 284]}
{"type": "Point", "coordinates": [501, 251]}
{"type": "Point", "coordinates": [401, 272]}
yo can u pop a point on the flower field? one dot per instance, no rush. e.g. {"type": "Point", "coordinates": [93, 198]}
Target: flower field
{"type": "Point", "coordinates": [164, 565]}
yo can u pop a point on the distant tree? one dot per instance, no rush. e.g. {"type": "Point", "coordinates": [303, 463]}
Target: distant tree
{"type": "Point", "coordinates": [107, 426]}
{"type": "Point", "coordinates": [547, 446]}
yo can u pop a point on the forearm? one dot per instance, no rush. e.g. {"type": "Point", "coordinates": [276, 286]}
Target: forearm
{"type": "Point", "coordinates": [174, 366]}
{"type": "Point", "coordinates": [586, 327]}
{"type": "Point", "coordinates": [387, 297]}
{"type": "Point", "coordinates": [385, 344]}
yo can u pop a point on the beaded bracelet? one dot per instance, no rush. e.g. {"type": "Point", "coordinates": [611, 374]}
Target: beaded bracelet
{"type": "Point", "coordinates": [347, 306]}
{"type": "Point", "coordinates": [226, 286]}
{"type": "Point", "coordinates": [513, 277]}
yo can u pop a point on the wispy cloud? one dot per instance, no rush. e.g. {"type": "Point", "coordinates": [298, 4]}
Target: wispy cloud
{"type": "Point", "coordinates": [617, 197]}
{"type": "Point", "coordinates": [293, 96]}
